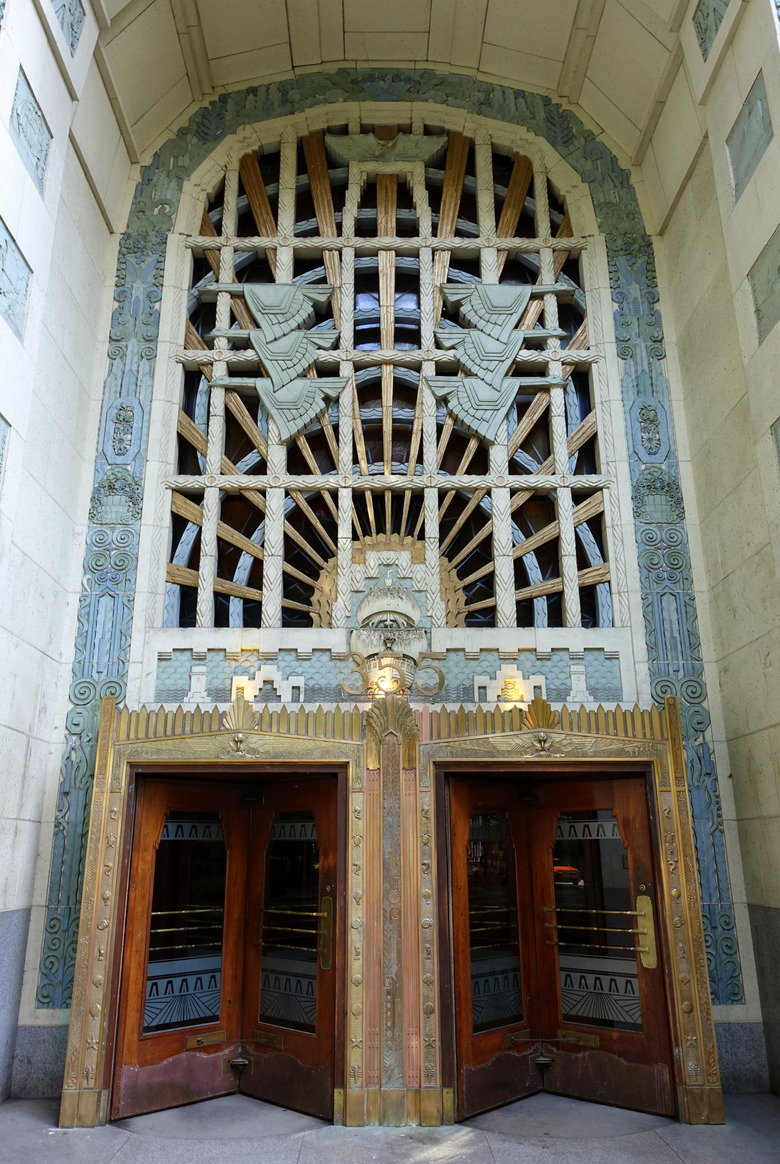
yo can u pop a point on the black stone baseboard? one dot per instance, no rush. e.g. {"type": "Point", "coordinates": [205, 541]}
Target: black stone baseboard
{"type": "Point", "coordinates": [765, 924]}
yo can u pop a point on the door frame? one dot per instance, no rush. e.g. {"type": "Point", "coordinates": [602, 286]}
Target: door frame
{"type": "Point", "coordinates": [228, 748]}
{"type": "Point", "coordinates": [611, 742]}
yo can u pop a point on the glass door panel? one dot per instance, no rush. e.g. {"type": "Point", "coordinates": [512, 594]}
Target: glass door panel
{"type": "Point", "coordinates": [290, 968]}
{"type": "Point", "coordinates": [494, 966]}
{"type": "Point", "coordinates": [593, 922]}
{"type": "Point", "coordinates": [289, 926]}
{"type": "Point", "coordinates": [184, 973]}
{"type": "Point", "coordinates": [496, 991]}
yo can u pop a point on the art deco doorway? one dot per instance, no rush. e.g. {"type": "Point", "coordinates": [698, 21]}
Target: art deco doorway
{"type": "Point", "coordinates": [527, 819]}
{"type": "Point", "coordinates": [557, 975]}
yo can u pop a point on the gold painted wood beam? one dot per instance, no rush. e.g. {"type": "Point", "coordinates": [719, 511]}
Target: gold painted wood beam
{"type": "Point", "coordinates": [452, 191]}
{"type": "Point", "coordinates": [516, 194]}
{"type": "Point", "coordinates": [257, 197]}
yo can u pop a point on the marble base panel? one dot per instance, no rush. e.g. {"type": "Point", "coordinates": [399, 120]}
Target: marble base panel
{"type": "Point", "coordinates": [742, 1057]}
{"type": "Point", "coordinates": [39, 1062]}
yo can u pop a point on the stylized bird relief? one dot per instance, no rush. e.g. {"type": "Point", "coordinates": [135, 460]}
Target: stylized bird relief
{"type": "Point", "coordinates": [486, 349]}
{"type": "Point", "coordinates": [286, 352]}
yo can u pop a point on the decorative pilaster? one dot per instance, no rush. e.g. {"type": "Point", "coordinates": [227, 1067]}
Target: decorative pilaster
{"type": "Point", "coordinates": [391, 739]}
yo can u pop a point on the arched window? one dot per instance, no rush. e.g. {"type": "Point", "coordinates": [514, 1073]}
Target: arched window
{"type": "Point", "coordinates": [387, 351]}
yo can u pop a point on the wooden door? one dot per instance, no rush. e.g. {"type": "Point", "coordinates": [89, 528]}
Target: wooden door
{"type": "Point", "coordinates": [229, 967]}
{"type": "Point", "coordinates": [179, 1012]}
{"type": "Point", "coordinates": [495, 970]}
{"type": "Point", "coordinates": [570, 996]}
{"type": "Point", "coordinates": [290, 982]}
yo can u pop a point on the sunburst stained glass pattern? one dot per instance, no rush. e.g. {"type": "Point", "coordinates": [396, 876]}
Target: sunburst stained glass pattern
{"type": "Point", "coordinates": [332, 375]}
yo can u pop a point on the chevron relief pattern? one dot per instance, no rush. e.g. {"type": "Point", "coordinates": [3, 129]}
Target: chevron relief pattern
{"type": "Point", "coordinates": [287, 393]}
{"type": "Point", "coordinates": [481, 399]}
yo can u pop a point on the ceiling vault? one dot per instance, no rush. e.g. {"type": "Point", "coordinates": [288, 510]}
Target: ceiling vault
{"type": "Point", "coordinates": [193, 47]}
{"type": "Point", "coordinates": [580, 48]}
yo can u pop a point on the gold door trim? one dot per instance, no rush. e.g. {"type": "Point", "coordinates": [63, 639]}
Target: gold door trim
{"type": "Point", "coordinates": [391, 741]}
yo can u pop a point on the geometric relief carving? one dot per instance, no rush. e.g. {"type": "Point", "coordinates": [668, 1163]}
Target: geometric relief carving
{"type": "Point", "coordinates": [70, 16]}
{"type": "Point", "coordinates": [29, 130]}
{"type": "Point", "coordinates": [122, 435]}
{"type": "Point", "coordinates": [116, 499]}
{"type": "Point", "coordinates": [366, 147]}
{"type": "Point", "coordinates": [650, 430]}
{"type": "Point", "coordinates": [291, 397]}
{"type": "Point", "coordinates": [707, 19]}
{"type": "Point", "coordinates": [486, 347]}
{"type": "Point", "coordinates": [766, 287]}
{"type": "Point", "coordinates": [14, 282]}
{"type": "Point", "coordinates": [657, 498]}
{"type": "Point", "coordinates": [750, 135]}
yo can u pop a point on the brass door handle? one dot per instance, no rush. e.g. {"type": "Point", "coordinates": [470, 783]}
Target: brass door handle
{"type": "Point", "coordinates": [326, 933]}
{"type": "Point", "coordinates": [646, 929]}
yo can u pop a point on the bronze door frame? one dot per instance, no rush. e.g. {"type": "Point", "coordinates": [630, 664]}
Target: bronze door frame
{"type": "Point", "coordinates": [395, 1043]}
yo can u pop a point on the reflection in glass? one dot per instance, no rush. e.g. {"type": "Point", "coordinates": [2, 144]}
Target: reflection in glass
{"type": "Point", "coordinates": [594, 923]}
{"type": "Point", "coordinates": [184, 971]}
{"type": "Point", "coordinates": [496, 994]}
{"type": "Point", "coordinates": [289, 924]}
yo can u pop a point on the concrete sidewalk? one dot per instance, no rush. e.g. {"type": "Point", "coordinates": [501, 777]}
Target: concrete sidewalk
{"type": "Point", "coordinates": [544, 1128]}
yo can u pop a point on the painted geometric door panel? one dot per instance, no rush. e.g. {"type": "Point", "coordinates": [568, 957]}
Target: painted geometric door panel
{"type": "Point", "coordinates": [558, 984]}
{"type": "Point", "coordinates": [228, 950]}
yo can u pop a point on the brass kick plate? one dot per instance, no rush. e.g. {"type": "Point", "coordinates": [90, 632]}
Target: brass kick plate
{"type": "Point", "coordinates": [578, 1039]}
{"type": "Point", "coordinates": [193, 1042]}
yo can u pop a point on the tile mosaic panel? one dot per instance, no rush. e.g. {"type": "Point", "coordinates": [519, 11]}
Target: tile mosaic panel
{"type": "Point", "coordinates": [707, 19]}
{"type": "Point", "coordinates": [70, 17]}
